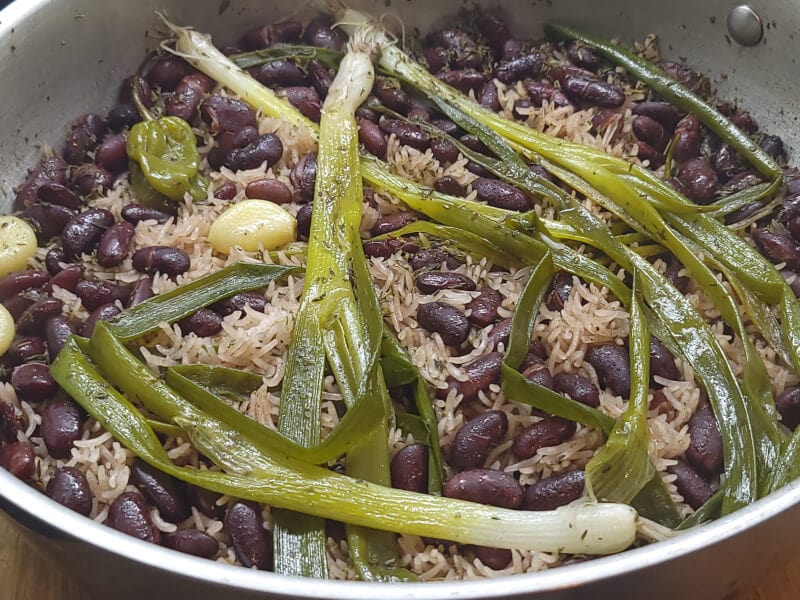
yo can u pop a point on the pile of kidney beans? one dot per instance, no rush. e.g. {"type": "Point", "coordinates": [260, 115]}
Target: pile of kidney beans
{"type": "Point", "coordinates": [55, 198]}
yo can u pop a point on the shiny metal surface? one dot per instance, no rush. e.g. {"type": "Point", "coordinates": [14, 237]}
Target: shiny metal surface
{"type": "Point", "coordinates": [745, 25]}
{"type": "Point", "coordinates": [63, 58]}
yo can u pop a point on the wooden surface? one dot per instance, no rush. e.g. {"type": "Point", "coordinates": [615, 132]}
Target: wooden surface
{"type": "Point", "coordinates": [25, 576]}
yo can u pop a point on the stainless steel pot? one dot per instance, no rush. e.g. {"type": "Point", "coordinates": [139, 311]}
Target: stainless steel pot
{"type": "Point", "coordinates": [63, 58]}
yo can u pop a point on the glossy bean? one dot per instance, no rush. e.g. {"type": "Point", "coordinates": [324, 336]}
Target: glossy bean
{"type": "Point", "coordinates": [238, 302]}
{"type": "Point", "coordinates": [280, 72]}
{"type": "Point", "coordinates": [550, 431]}
{"type": "Point", "coordinates": [89, 179]}
{"type": "Point", "coordinates": [539, 92]}
{"type": "Point", "coordinates": [485, 486]}
{"type": "Point", "coordinates": [409, 469]}
{"type": "Point", "coordinates": [444, 150]}
{"type": "Point", "coordinates": [559, 290]}
{"type": "Point", "coordinates": [372, 137]}
{"type": "Point", "coordinates": [501, 194]}
{"type": "Point", "coordinates": [446, 320]}
{"type": "Point", "coordinates": [185, 101]}
{"type": "Point", "coordinates": [123, 116]}
{"type": "Point", "coordinates": [319, 32]}
{"type": "Point", "coordinates": [36, 315]}
{"type": "Point", "coordinates": [779, 248]}
{"type": "Point", "coordinates": [18, 459]}
{"type": "Point", "coordinates": [537, 372]}
{"type": "Point", "coordinates": [494, 30]}
{"type": "Point", "coordinates": [392, 222]}
{"type": "Point", "coordinates": [554, 491]}
{"type": "Point", "coordinates": [597, 93]}
{"type": "Point", "coordinates": [447, 184]}
{"type": "Point", "coordinates": [84, 135]}
{"type": "Point", "coordinates": [686, 76]}
{"type": "Point", "coordinates": [582, 56]}
{"type": "Point", "coordinates": [225, 191]}
{"type": "Point", "coordinates": [112, 153]}
{"type": "Point", "coordinates": [11, 422]}
{"type": "Point", "coordinates": [268, 188]}
{"type": "Point", "coordinates": [251, 542]}
{"type": "Point", "coordinates": [48, 220]}
{"type": "Point", "coordinates": [226, 114]}
{"type": "Point", "coordinates": [68, 486]}
{"type": "Point", "coordinates": [304, 221]}
{"type": "Point", "coordinates": [24, 348]}
{"type": "Point", "coordinates": [82, 233]}
{"type": "Point", "coordinates": [494, 558]}
{"type": "Point", "coordinates": [115, 244]}
{"type": "Point", "coordinates": [788, 405]}
{"type": "Point", "coordinates": [463, 80]}
{"type": "Point", "coordinates": [51, 169]}
{"type": "Point", "coordinates": [62, 424]}
{"type": "Point", "coordinates": [273, 33]}
{"type": "Point", "coordinates": [430, 282]}
{"type": "Point", "coordinates": [483, 308]}
{"type": "Point", "coordinates": [691, 485]}
{"type": "Point", "coordinates": [57, 330]}
{"type": "Point", "coordinates": [33, 382]}
{"type": "Point", "coordinates": [142, 290]}
{"type": "Point", "coordinates": [129, 514]}
{"type": "Point", "coordinates": [663, 112]}
{"type": "Point", "coordinates": [101, 313]}
{"type": "Point", "coordinates": [305, 99]}
{"type": "Point", "coordinates": [577, 387]}
{"type": "Point", "coordinates": [94, 293]}
{"type": "Point", "coordinates": [203, 323]}
{"type": "Point", "coordinates": [304, 176]}
{"type": "Point", "coordinates": [407, 133]}
{"type": "Point", "coordinates": [499, 333]}
{"type": "Point", "coordinates": [612, 364]}
{"type": "Point", "coordinates": [476, 438]}
{"type": "Point", "coordinates": [319, 77]}
{"type": "Point", "coordinates": [433, 257]}
{"type": "Point", "coordinates": [773, 145]}
{"type": "Point", "coordinates": [165, 492]}
{"type": "Point", "coordinates": [191, 541]}
{"type": "Point", "coordinates": [382, 248]}
{"type": "Point", "coordinates": [437, 58]}
{"type": "Point", "coordinates": [651, 131]}
{"type": "Point", "coordinates": [391, 95]}
{"type": "Point", "coordinates": [266, 148]}
{"type": "Point", "coordinates": [161, 259]}
{"type": "Point", "coordinates": [17, 305]}
{"type": "Point", "coordinates": [662, 363]}
{"type": "Point", "coordinates": [699, 180]}
{"type": "Point", "coordinates": [511, 70]}
{"type": "Point", "coordinates": [21, 281]}
{"type": "Point", "coordinates": [67, 279]}
{"type": "Point", "coordinates": [167, 72]}
{"type": "Point", "coordinates": [705, 448]}
{"type": "Point", "coordinates": [60, 195]}
{"type": "Point", "coordinates": [136, 213]}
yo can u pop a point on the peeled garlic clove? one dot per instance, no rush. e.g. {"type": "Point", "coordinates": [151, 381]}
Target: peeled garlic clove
{"type": "Point", "coordinates": [252, 224]}
{"type": "Point", "coordinates": [17, 244]}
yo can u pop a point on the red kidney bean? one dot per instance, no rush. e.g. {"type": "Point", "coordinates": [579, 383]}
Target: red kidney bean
{"type": "Point", "coordinates": [165, 492]}
{"type": "Point", "coordinates": [577, 387]}
{"type": "Point", "coordinates": [305, 99]}
{"type": "Point", "coordinates": [142, 290]}
{"type": "Point", "coordinates": [53, 259]}
{"type": "Point", "coordinates": [500, 194]}
{"type": "Point", "coordinates": [686, 76]}
{"type": "Point", "coordinates": [437, 59]}
{"type": "Point", "coordinates": [494, 30]}
{"type": "Point", "coordinates": [69, 487]}
{"type": "Point", "coordinates": [488, 97]}
{"type": "Point", "coordinates": [484, 307]}
{"type": "Point", "coordinates": [18, 459]}
{"type": "Point", "coordinates": [559, 291]}
{"type": "Point", "coordinates": [265, 148]}
{"type": "Point", "coordinates": [409, 469]}
{"type": "Point", "coordinates": [485, 486]}
{"type": "Point", "coordinates": [391, 95]}
{"type": "Point", "coordinates": [82, 233]}
{"type": "Point", "coordinates": [777, 247]}
{"type": "Point", "coordinates": [581, 56]}
{"type": "Point", "coordinates": [11, 422]}
{"type": "Point", "coordinates": [698, 179]}
{"type": "Point", "coordinates": [536, 371]}
{"type": "Point", "coordinates": [62, 425]}
{"type": "Point", "coordinates": [95, 293]}
{"type": "Point", "coordinates": [60, 195]}
{"type": "Point", "coordinates": [744, 121]}
{"type": "Point", "coordinates": [191, 541]}
{"type": "Point", "coordinates": [687, 140]}
{"type": "Point", "coordinates": [56, 330]}
{"type": "Point", "coordinates": [83, 137]}
{"type": "Point", "coordinates": [319, 77]}
{"type": "Point", "coordinates": [136, 213]}
{"type": "Point", "coordinates": [788, 405]}
{"type": "Point", "coordinates": [112, 153]}
{"type": "Point", "coordinates": [373, 138]}
{"type": "Point", "coordinates": [203, 323]}
{"type": "Point", "coordinates": [726, 162]}
{"type": "Point", "coordinates": [494, 558]}
{"type": "Point", "coordinates": [430, 282]}
{"type": "Point", "coordinates": [226, 191]}
{"type": "Point", "coordinates": [226, 114]}
{"type": "Point", "coordinates": [691, 485]}
{"type": "Point", "coordinates": [662, 363]}
{"type": "Point", "coordinates": [539, 91]}
{"type": "Point", "coordinates": [48, 220]}
{"type": "Point", "coordinates": [447, 184]}
{"type": "Point", "coordinates": [267, 188]}
{"type": "Point", "coordinates": [433, 257]}
{"type": "Point", "coordinates": [167, 72]}
{"type": "Point", "coordinates": [227, 142]}
{"type": "Point", "coordinates": [613, 367]}
{"type": "Point", "coordinates": [304, 176]}
{"type": "Point", "coordinates": [473, 143]}
{"type": "Point", "coordinates": [406, 133]}
{"type": "Point", "coordinates": [773, 145]}
{"type": "Point", "coordinates": [392, 222]}
{"type": "Point", "coordinates": [550, 431]}
{"type": "Point", "coordinates": [51, 169]}
{"type": "Point", "coordinates": [554, 491]}
{"type": "Point", "coordinates": [444, 150]}
{"type": "Point", "coordinates": [320, 33]}
{"type": "Point", "coordinates": [250, 540]}
{"type": "Point", "coordinates": [123, 116]}
{"type": "Point", "coordinates": [650, 131]}
{"type": "Point", "coordinates": [21, 281]}
{"type": "Point", "coordinates": [36, 315]}
{"type": "Point", "coordinates": [382, 248]}
{"type": "Point", "coordinates": [365, 112]}
{"type": "Point", "coordinates": [447, 126]}
{"type": "Point", "coordinates": [24, 348]}
{"type": "Point", "coordinates": [304, 221]}
{"type": "Point", "coordinates": [663, 112]}
{"type": "Point", "coordinates": [463, 80]}
{"type": "Point", "coordinates": [66, 279]}
{"type": "Point", "coordinates": [705, 449]}
{"type": "Point", "coordinates": [472, 443]}
{"type": "Point", "coordinates": [101, 313]}
{"type": "Point", "coordinates": [598, 93]}
{"type": "Point", "coordinates": [161, 259]}
{"type": "Point", "coordinates": [499, 333]}
{"type": "Point", "coordinates": [238, 302]}
{"type": "Point", "coordinates": [794, 228]}
{"type": "Point", "coordinates": [280, 72]}
{"type": "Point", "coordinates": [511, 70]}
{"type": "Point", "coordinates": [273, 33]}
{"type": "Point", "coordinates": [89, 179]}
{"type": "Point", "coordinates": [33, 382]}
{"type": "Point", "coordinates": [115, 244]}
{"type": "Point", "coordinates": [184, 102]}
{"type": "Point", "coordinates": [17, 305]}
{"type": "Point", "coordinates": [129, 514]}
{"type": "Point", "coordinates": [449, 322]}
{"type": "Point", "coordinates": [205, 501]}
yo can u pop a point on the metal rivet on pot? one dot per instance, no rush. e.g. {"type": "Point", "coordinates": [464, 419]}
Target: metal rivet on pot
{"type": "Point", "coordinates": [744, 25]}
